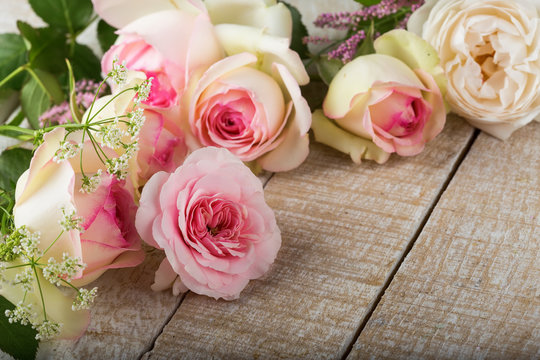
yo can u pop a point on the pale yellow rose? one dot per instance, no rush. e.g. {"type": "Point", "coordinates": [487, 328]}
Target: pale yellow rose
{"type": "Point", "coordinates": [386, 102]}
{"type": "Point", "coordinates": [490, 52]}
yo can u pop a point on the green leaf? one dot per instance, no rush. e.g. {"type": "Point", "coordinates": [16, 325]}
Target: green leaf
{"type": "Point", "coordinates": [12, 164]}
{"type": "Point", "coordinates": [86, 64]}
{"type": "Point", "coordinates": [105, 35]}
{"type": "Point", "coordinates": [69, 15]}
{"type": "Point", "coordinates": [46, 47]}
{"type": "Point", "coordinates": [368, 2]}
{"type": "Point", "coordinates": [39, 94]}
{"type": "Point", "coordinates": [12, 55]}
{"type": "Point", "coordinates": [299, 31]}
{"type": "Point", "coordinates": [76, 112]}
{"type": "Point", "coordinates": [17, 340]}
{"type": "Point", "coordinates": [328, 68]}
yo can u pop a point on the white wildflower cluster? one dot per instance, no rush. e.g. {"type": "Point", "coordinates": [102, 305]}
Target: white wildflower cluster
{"type": "Point", "coordinates": [70, 220]}
{"type": "Point", "coordinates": [47, 329]}
{"type": "Point", "coordinates": [25, 279]}
{"type": "Point", "coordinates": [143, 91]}
{"type": "Point", "coordinates": [118, 74]}
{"type": "Point", "coordinates": [90, 184]}
{"type": "Point", "coordinates": [26, 243]}
{"type": "Point", "coordinates": [22, 314]}
{"type": "Point", "coordinates": [66, 270]}
{"type": "Point", "coordinates": [118, 166]}
{"type": "Point", "coordinates": [111, 135]}
{"type": "Point", "coordinates": [136, 122]}
{"type": "Point", "coordinates": [67, 150]}
{"type": "Point", "coordinates": [84, 299]}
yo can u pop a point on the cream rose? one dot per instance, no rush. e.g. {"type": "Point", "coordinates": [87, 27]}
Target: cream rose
{"type": "Point", "coordinates": [385, 102]}
{"type": "Point", "coordinates": [490, 52]}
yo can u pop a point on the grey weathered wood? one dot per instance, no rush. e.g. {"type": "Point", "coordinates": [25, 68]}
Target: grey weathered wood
{"type": "Point", "coordinates": [344, 227]}
{"type": "Point", "coordinates": [470, 287]}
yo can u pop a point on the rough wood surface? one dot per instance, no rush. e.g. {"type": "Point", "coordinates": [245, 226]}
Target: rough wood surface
{"type": "Point", "coordinates": [126, 316]}
{"type": "Point", "coordinates": [470, 287]}
{"type": "Point", "coordinates": [344, 227]}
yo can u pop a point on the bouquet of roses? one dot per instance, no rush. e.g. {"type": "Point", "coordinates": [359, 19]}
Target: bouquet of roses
{"type": "Point", "coordinates": [197, 97]}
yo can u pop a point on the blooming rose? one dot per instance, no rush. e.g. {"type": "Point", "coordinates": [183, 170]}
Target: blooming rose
{"type": "Point", "coordinates": [144, 45]}
{"type": "Point", "coordinates": [389, 98]}
{"type": "Point", "coordinates": [258, 114]}
{"type": "Point", "coordinates": [43, 193]}
{"type": "Point", "coordinates": [490, 52]}
{"type": "Point", "coordinates": [161, 142]}
{"type": "Point", "coordinates": [109, 239]}
{"type": "Point", "coordinates": [211, 219]}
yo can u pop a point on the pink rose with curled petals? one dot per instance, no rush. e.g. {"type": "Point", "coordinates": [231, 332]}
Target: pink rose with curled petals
{"type": "Point", "coordinates": [162, 145]}
{"type": "Point", "coordinates": [211, 219]}
{"type": "Point", "coordinates": [143, 47]}
{"type": "Point", "coordinates": [109, 239]}
{"type": "Point", "coordinates": [256, 113]}
{"type": "Point", "coordinates": [387, 102]}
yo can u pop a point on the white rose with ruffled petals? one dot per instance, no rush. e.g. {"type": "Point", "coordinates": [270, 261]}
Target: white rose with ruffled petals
{"type": "Point", "coordinates": [490, 52]}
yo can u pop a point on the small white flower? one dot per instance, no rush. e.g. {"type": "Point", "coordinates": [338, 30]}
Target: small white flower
{"type": "Point", "coordinates": [118, 74]}
{"type": "Point", "coordinates": [47, 330]}
{"type": "Point", "coordinates": [137, 121]}
{"type": "Point", "coordinates": [67, 150]}
{"type": "Point", "coordinates": [22, 314]}
{"type": "Point", "coordinates": [84, 299]}
{"type": "Point", "coordinates": [118, 166]}
{"type": "Point", "coordinates": [90, 184]}
{"type": "Point", "coordinates": [26, 279]}
{"type": "Point", "coordinates": [70, 221]}
{"type": "Point", "coordinates": [56, 272]}
{"type": "Point", "coordinates": [143, 90]}
{"type": "Point", "coordinates": [111, 136]}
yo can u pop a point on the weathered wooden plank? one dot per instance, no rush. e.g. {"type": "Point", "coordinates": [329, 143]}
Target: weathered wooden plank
{"type": "Point", "coordinates": [126, 316]}
{"type": "Point", "coordinates": [344, 227]}
{"type": "Point", "coordinates": [470, 287]}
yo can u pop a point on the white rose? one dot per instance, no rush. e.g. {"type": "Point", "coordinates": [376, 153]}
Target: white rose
{"type": "Point", "coordinates": [490, 52]}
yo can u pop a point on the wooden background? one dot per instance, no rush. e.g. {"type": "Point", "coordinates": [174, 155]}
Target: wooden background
{"type": "Point", "coordinates": [432, 256]}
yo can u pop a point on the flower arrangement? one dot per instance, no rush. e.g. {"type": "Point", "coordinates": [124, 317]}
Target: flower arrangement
{"type": "Point", "coordinates": [159, 142]}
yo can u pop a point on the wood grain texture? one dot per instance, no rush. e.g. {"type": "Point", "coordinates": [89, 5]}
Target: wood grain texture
{"type": "Point", "coordinates": [126, 316]}
{"type": "Point", "coordinates": [343, 227]}
{"type": "Point", "coordinates": [470, 287]}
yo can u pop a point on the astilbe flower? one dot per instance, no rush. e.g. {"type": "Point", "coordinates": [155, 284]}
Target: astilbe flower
{"type": "Point", "coordinates": [358, 22]}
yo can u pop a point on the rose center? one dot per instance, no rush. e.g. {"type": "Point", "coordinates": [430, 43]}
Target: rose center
{"type": "Point", "coordinates": [216, 225]}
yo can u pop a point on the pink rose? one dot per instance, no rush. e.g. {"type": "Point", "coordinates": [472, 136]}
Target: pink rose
{"type": "Point", "coordinates": [391, 98]}
{"type": "Point", "coordinates": [257, 113]}
{"type": "Point", "coordinates": [161, 145]}
{"type": "Point", "coordinates": [145, 45]}
{"type": "Point", "coordinates": [211, 219]}
{"type": "Point", "coordinates": [109, 240]}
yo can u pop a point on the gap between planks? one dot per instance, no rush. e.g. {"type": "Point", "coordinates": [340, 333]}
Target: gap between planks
{"type": "Point", "coordinates": [265, 179]}
{"type": "Point", "coordinates": [411, 243]}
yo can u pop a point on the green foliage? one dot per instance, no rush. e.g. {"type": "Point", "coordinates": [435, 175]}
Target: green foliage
{"type": "Point", "coordinates": [328, 68]}
{"type": "Point", "coordinates": [368, 2]}
{"type": "Point", "coordinates": [46, 46]}
{"type": "Point", "coordinates": [68, 15]}
{"type": "Point", "coordinates": [86, 64]}
{"type": "Point", "coordinates": [17, 340]}
{"type": "Point", "coordinates": [105, 35]}
{"type": "Point", "coordinates": [12, 164]}
{"type": "Point", "coordinates": [299, 31]}
{"type": "Point", "coordinates": [39, 94]}
{"type": "Point", "coordinates": [12, 55]}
